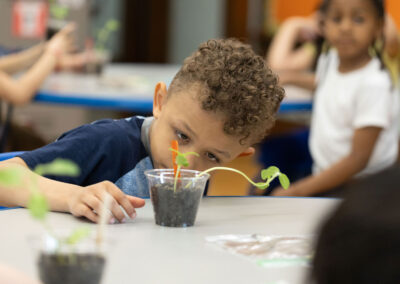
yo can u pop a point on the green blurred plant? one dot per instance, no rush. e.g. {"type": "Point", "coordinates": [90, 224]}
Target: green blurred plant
{"type": "Point", "coordinates": [37, 205]}
{"type": "Point", "coordinates": [58, 11]}
{"type": "Point", "coordinates": [103, 35]}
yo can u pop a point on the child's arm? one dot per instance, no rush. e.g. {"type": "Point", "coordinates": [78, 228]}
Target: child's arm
{"type": "Point", "coordinates": [392, 42]}
{"type": "Point", "coordinates": [283, 55]}
{"type": "Point", "coordinates": [20, 91]}
{"type": "Point", "coordinates": [64, 197]}
{"type": "Point", "coordinates": [364, 140]}
{"type": "Point", "coordinates": [21, 60]}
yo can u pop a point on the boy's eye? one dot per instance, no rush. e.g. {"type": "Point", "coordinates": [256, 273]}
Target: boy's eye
{"type": "Point", "coordinates": [212, 157]}
{"type": "Point", "coordinates": [182, 137]}
{"type": "Point", "coordinates": [358, 20]}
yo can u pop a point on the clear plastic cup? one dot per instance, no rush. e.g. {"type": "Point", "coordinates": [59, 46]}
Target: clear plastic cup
{"type": "Point", "coordinates": [175, 208]}
{"type": "Point", "coordinates": [59, 262]}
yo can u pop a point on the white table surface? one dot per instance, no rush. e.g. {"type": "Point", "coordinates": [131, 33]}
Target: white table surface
{"type": "Point", "coordinates": [148, 253]}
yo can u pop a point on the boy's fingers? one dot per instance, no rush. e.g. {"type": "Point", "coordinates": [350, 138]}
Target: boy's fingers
{"type": "Point", "coordinates": [91, 216]}
{"type": "Point", "coordinates": [136, 201]}
{"type": "Point", "coordinates": [120, 199]}
{"type": "Point", "coordinates": [117, 211]}
{"type": "Point", "coordinates": [93, 202]}
{"type": "Point", "coordinates": [84, 211]}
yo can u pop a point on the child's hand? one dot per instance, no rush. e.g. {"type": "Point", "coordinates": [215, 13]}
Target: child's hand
{"type": "Point", "coordinates": [62, 42]}
{"type": "Point", "coordinates": [310, 29]}
{"type": "Point", "coordinates": [90, 198]}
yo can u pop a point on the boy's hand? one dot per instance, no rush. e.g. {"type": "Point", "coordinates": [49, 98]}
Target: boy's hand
{"type": "Point", "coordinates": [90, 198]}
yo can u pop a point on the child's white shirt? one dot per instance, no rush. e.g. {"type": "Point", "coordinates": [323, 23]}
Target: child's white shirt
{"type": "Point", "coordinates": [350, 101]}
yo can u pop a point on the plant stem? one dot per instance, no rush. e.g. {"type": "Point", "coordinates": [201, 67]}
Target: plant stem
{"type": "Point", "coordinates": [266, 183]}
{"type": "Point", "coordinates": [228, 169]}
{"type": "Point", "coordinates": [176, 177]}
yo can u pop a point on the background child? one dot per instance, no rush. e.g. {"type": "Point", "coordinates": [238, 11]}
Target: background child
{"type": "Point", "coordinates": [354, 123]}
{"type": "Point", "coordinates": [298, 44]}
{"type": "Point", "coordinates": [359, 243]}
{"type": "Point", "coordinates": [222, 101]}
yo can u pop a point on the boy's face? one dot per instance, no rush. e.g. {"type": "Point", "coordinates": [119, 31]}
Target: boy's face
{"type": "Point", "coordinates": [180, 117]}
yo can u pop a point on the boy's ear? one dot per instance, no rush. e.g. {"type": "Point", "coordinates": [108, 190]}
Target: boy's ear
{"type": "Point", "coordinates": [160, 97]}
{"type": "Point", "coordinates": [248, 152]}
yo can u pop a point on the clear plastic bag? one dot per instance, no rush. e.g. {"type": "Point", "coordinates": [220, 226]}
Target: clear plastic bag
{"type": "Point", "coordinates": [267, 251]}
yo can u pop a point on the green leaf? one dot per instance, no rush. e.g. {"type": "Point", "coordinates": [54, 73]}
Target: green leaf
{"type": "Point", "coordinates": [10, 177]}
{"type": "Point", "coordinates": [58, 167]}
{"type": "Point", "coordinates": [38, 206]}
{"type": "Point", "coordinates": [284, 180]}
{"type": "Point", "coordinates": [78, 235]}
{"type": "Point", "coordinates": [112, 25]}
{"type": "Point", "coordinates": [103, 35]}
{"type": "Point", "coordinates": [262, 185]}
{"type": "Point", "coordinates": [59, 12]}
{"type": "Point", "coordinates": [269, 172]}
{"type": "Point", "coordinates": [181, 161]}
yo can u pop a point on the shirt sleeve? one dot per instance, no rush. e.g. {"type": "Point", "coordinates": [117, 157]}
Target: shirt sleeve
{"type": "Point", "coordinates": [103, 150]}
{"type": "Point", "coordinates": [373, 105]}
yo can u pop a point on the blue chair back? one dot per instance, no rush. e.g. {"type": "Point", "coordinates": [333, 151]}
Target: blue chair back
{"type": "Point", "coordinates": [9, 155]}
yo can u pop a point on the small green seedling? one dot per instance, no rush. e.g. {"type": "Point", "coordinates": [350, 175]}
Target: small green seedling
{"type": "Point", "coordinates": [37, 205]}
{"type": "Point", "coordinates": [268, 175]}
{"type": "Point", "coordinates": [181, 161]}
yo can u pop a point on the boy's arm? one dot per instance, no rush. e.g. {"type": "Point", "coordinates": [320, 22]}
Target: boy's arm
{"type": "Point", "coordinates": [363, 144]}
{"type": "Point", "coordinates": [64, 197]}
{"type": "Point", "coordinates": [301, 79]}
{"type": "Point", "coordinates": [21, 60]}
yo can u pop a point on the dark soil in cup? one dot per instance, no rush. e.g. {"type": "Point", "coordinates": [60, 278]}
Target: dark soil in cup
{"type": "Point", "coordinates": [71, 268]}
{"type": "Point", "coordinates": [175, 209]}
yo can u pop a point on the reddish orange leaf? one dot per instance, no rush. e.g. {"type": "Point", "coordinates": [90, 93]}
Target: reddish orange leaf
{"type": "Point", "coordinates": [175, 146]}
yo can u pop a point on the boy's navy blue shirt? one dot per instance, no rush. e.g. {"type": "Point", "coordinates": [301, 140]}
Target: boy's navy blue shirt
{"type": "Point", "coordinates": [104, 150]}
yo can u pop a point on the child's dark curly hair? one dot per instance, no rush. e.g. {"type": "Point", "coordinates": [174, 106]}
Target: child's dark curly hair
{"type": "Point", "coordinates": [238, 84]}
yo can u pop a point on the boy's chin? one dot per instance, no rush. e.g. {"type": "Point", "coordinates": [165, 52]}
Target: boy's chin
{"type": "Point", "coordinates": [161, 166]}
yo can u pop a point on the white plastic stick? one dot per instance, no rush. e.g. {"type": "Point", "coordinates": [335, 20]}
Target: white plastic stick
{"type": "Point", "coordinates": [104, 217]}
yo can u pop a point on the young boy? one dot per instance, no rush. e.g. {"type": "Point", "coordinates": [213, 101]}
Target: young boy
{"type": "Point", "coordinates": [222, 101]}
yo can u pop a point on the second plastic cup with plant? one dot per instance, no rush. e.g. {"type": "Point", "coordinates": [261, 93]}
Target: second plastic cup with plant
{"type": "Point", "coordinates": [176, 193]}
{"type": "Point", "coordinates": [67, 257]}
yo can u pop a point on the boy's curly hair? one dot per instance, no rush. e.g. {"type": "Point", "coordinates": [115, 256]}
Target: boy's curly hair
{"type": "Point", "coordinates": [238, 84]}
